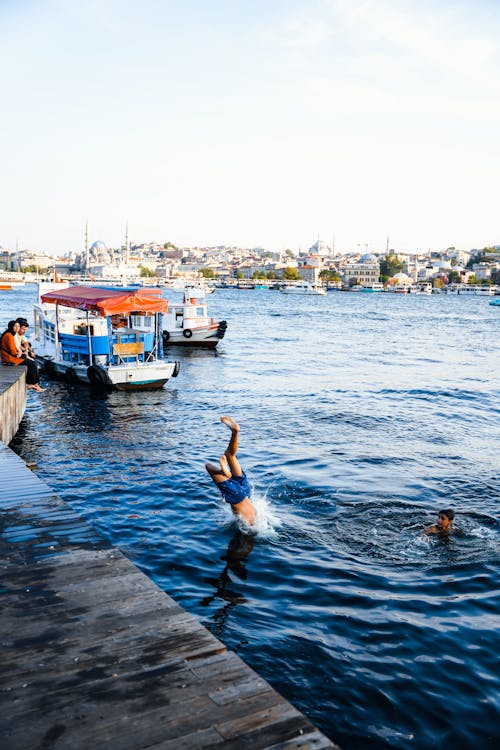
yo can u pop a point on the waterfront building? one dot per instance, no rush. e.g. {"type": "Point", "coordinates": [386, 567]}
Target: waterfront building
{"type": "Point", "coordinates": [365, 272]}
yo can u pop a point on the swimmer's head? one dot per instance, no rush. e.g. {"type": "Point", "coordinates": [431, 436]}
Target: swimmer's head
{"type": "Point", "coordinates": [445, 518]}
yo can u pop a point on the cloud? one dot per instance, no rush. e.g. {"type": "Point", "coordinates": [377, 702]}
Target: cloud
{"type": "Point", "coordinates": [300, 31]}
{"type": "Point", "coordinates": [433, 33]}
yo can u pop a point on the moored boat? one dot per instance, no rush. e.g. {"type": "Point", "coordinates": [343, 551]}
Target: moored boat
{"type": "Point", "coordinates": [106, 338]}
{"type": "Point", "coordinates": [187, 323]}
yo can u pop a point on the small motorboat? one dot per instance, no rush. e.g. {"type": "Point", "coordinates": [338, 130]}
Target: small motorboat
{"type": "Point", "coordinates": [187, 323]}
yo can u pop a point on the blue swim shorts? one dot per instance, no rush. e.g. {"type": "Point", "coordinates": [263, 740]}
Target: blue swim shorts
{"type": "Point", "coordinates": [235, 490]}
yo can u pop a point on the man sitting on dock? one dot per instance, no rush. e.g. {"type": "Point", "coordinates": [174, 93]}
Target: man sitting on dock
{"type": "Point", "coordinates": [230, 477]}
{"type": "Point", "coordinates": [443, 527]}
{"type": "Point", "coordinates": [21, 340]}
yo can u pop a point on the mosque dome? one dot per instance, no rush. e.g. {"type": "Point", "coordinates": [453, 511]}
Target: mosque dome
{"type": "Point", "coordinates": [445, 266]}
{"type": "Point", "coordinates": [368, 258]}
{"type": "Point", "coordinates": [98, 247]}
{"type": "Point", "coordinates": [100, 252]}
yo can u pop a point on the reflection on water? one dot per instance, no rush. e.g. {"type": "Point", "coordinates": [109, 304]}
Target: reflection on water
{"type": "Point", "coordinates": [362, 416]}
{"type": "Point", "coordinates": [238, 549]}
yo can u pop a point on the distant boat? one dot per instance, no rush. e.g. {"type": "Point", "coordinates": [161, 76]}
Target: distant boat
{"type": "Point", "coordinates": [479, 290]}
{"type": "Point", "coordinates": [303, 287]}
{"type": "Point", "coordinates": [376, 286]}
{"type": "Point", "coordinates": [11, 281]}
{"type": "Point", "coordinates": [495, 302]}
{"type": "Point", "coordinates": [107, 338]}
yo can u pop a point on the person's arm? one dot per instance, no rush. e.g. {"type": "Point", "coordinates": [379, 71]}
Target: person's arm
{"type": "Point", "coordinates": [431, 529]}
{"type": "Point", "coordinates": [10, 348]}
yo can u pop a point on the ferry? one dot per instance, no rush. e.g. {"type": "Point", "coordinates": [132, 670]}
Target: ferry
{"type": "Point", "coordinates": [481, 290]}
{"type": "Point", "coordinates": [110, 339]}
{"type": "Point", "coordinates": [302, 287]}
{"type": "Point", "coordinates": [187, 323]}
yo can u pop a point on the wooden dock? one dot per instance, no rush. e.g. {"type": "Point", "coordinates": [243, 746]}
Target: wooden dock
{"type": "Point", "coordinates": [95, 655]}
{"type": "Point", "coordinates": [12, 401]}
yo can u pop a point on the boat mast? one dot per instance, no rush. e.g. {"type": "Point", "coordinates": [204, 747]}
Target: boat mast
{"type": "Point", "coordinates": [127, 246]}
{"type": "Point", "coordinates": [87, 256]}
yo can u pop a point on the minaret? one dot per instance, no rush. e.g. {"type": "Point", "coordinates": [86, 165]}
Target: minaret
{"type": "Point", "coordinates": [87, 256]}
{"type": "Point", "coordinates": [387, 246]}
{"type": "Point", "coordinates": [127, 246]}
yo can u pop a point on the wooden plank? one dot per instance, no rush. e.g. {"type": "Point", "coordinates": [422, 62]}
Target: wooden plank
{"type": "Point", "coordinates": [95, 655]}
{"type": "Point", "coordinates": [132, 348]}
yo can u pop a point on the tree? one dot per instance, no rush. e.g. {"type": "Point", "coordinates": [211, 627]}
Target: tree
{"type": "Point", "coordinates": [472, 279]}
{"type": "Point", "coordinates": [207, 273]}
{"type": "Point", "coordinates": [259, 275]}
{"type": "Point", "coordinates": [389, 267]}
{"type": "Point", "coordinates": [239, 275]}
{"type": "Point", "coordinates": [481, 256]}
{"type": "Point", "coordinates": [291, 274]}
{"type": "Point", "coordinates": [271, 275]}
{"type": "Point", "coordinates": [147, 272]}
{"type": "Point", "coordinates": [169, 246]}
{"type": "Point", "coordinates": [453, 277]}
{"type": "Point", "coordinates": [290, 254]}
{"type": "Point", "coordinates": [329, 275]}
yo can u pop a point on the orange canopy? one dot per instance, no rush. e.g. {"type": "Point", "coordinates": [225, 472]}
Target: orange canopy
{"type": "Point", "coordinates": [106, 301]}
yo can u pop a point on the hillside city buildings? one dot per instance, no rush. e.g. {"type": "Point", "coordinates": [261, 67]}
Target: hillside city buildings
{"type": "Point", "coordinates": [228, 264]}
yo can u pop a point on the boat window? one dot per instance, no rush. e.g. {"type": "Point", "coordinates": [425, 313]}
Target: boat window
{"type": "Point", "coordinates": [200, 312]}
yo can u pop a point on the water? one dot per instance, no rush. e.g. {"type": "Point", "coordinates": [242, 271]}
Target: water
{"type": "Point", "coordinates": [361, 416]}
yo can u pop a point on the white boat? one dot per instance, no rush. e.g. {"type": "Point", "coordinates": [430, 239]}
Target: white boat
{"type": "Point", "coordinates": [302, 287]}
{"type": "Point", "coordinates": [425, 288]}
{"type": "Point", "coordinates": [187, 323]}
{"type": "Point", "coordinates": [106, 338]}
{"type": "Point", "coordinates": [477, 290]}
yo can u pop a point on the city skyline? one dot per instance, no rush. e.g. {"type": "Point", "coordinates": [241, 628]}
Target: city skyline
{"type": "Point", "coordinates": [219, 123]}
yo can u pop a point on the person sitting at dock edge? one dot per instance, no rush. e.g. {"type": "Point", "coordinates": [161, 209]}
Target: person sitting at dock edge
{"type": "Point", "coordinates": [21, 340]}
{"type": "Point", "coordinates": [230, 477]}
{"type": "Point", "coordinates": [12, 356]}
{"type": "Point", "coordinates": [444, 523]}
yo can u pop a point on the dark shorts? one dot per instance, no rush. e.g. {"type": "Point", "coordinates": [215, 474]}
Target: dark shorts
{"type": "Point", "coordinates": [235, 490]}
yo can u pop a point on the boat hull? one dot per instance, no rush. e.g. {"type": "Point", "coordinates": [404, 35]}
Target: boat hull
{"type": "Point", "coordinates": [121, 377]}
{"type": "Point", "coordinates": [205, 336]}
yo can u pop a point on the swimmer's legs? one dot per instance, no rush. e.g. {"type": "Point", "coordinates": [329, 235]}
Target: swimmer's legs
{"type": "Point", "coordinates": [225, 466]}
{"type": "Point", "coordinates": [232, 447]}
{"type": "Point", "coordinates": [216, 472]}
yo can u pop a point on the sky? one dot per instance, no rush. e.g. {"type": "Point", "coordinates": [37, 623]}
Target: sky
{"type": "Point", "coordinates": [250, 122]}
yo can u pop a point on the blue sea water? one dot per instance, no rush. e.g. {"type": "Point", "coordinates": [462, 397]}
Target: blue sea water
{"type": "Point", "coordinates": [361, 416]}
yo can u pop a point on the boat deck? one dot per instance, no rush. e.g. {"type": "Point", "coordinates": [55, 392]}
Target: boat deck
{"type": "Point", "coordinates": [95, 655]}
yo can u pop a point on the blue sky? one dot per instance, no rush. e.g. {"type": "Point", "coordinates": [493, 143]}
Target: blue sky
{"type": "Point", "coordinates": [251, 123]}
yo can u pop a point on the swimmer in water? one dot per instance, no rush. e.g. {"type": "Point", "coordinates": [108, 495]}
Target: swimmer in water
{"type": "Point", "coordinates": [444, 525]}
{"type": "Point", "coordinates": [230, 477]}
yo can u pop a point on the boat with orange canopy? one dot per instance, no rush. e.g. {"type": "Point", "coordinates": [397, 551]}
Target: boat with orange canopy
{"type": "Point", "coordinates": [108, 338]}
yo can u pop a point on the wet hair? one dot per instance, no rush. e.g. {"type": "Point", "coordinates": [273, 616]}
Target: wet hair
{"type": "Point", "coordinates": [448, 512]}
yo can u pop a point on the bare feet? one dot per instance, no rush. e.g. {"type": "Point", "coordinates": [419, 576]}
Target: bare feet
{"type": "Point", "coordinates": [225, 467]}
{"type": "Point", "coordinates": [233, 426]}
